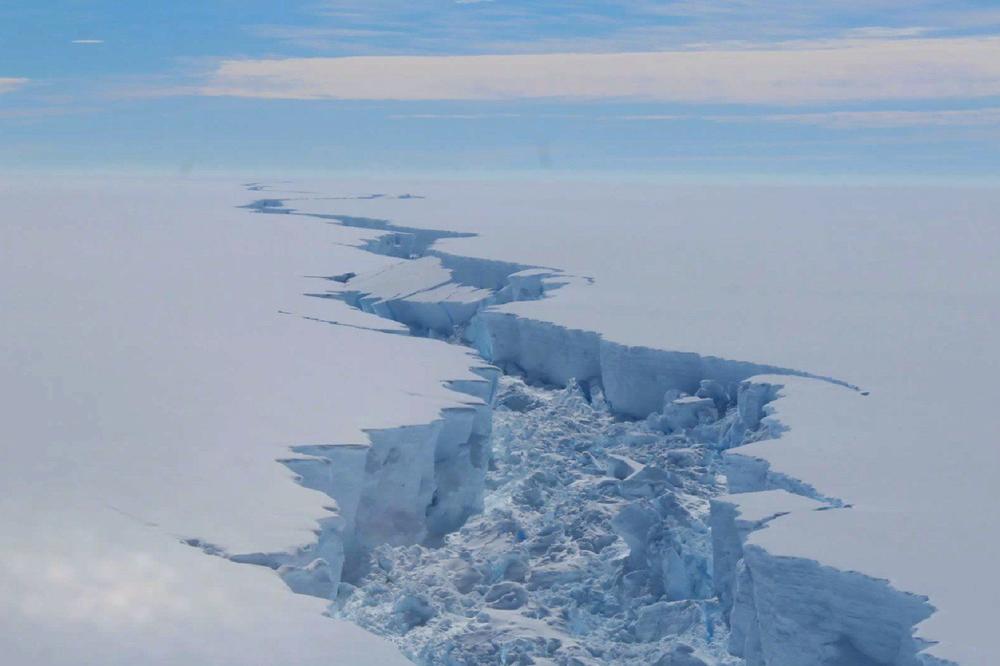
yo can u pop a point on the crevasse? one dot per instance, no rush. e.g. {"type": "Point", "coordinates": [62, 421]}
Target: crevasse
{"type": "Point", "coordinates": [579, 507]}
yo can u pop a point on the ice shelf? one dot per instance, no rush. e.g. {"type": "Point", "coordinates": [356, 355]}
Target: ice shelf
{"type": "Point", "coordinates": [534, 524]}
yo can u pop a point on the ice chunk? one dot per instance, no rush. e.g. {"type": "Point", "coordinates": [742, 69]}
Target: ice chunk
{"type": "Point", "coordinates": [413, 610]}
{"type": "Point", "coordinates": [687, 412]}
{"type": "Point", "coordinates": [666, 619]}
{"type": "Point", "coordinates": [506, 596]}
{"type": "Point", "coordinates": [681, 655]}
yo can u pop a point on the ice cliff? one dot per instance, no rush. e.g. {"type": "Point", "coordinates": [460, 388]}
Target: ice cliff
{"type": "Point", "coordinates": [587, 503]}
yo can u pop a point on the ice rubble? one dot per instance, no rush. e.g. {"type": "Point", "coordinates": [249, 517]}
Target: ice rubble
{"type": "Point", "coordinates": [578, 539]}
{"type": "Point", "coordinates": [592, 548]}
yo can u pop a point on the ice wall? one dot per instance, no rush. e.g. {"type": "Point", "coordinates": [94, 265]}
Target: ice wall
{"type": "Point", "coordinates": [796, 611]}
{"type": "Point", "coordinates": [635, 379]}
{"type": "Point", "coordinates": [410, 484]}
{"type": "Point", "coordinates": [785, 611]}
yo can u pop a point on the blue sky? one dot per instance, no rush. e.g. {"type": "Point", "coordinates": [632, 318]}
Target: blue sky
{"type": "Point", "coordinates": [783, 89]}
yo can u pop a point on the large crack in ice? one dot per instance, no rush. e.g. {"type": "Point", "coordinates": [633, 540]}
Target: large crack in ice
{"type": "Point", "coordinates": [573, 511]}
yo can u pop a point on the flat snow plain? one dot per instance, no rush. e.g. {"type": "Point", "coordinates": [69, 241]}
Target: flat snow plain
{"type": "Point", "coordinates": [892, 289]}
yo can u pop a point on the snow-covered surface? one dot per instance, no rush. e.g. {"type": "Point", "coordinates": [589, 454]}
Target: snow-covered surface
{"type": "Point", "coordinates": [150, 369]}
{"type": "Point", "coordinates": [891, 289]}
{"type": "Point", "coordinates": [149, 382]}
{"type": "Point", "coordinates": [767, 504]}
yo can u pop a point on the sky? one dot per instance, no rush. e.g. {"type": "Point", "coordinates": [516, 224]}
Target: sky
{"type": "Point", "coordinates": [865, 90]}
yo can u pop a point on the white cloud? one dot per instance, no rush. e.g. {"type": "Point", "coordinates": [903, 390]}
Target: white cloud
{"type": "Point", "coordinates": [787, 73]}
{"type": "Point", "coordinates": [657, 117]}
{"type": "Point", "coordinates": [87, 41]}
{"type": "Point", "coordinates": [9, 84]}
{"type": "Point", "coordinates": [454, 116]}
{"type": "Point", "coordinates": [981, 117]}
{"type": "Point", "coordinates": [879, 32]}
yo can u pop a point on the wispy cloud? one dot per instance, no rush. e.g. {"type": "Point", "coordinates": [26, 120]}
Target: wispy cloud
{"type": "Point", "coordinates": [38, 113]}
{"type": "Point", "coordinates": [454, 116]}
{"type": "Point", "coordinates": [324, 38]}
{"type": "Point", "coordinates": [876, 32]}
{"type": "Point", "coordinates": [87, 41]}
{"type": "Point", "coordinates": [788, 73]}
{"type": "Point", "coordinates": [654, 117]}
{"type": "Point", "coordinates": [11, 84]}
{"type": "Point", "coordinates": [433, 27]}
{"type": "Point", "coordinates": [888, 119]}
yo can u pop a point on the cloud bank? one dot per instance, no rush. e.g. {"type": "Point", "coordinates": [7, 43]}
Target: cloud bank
{"type": "Point", "coordinates": [791, 73]}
